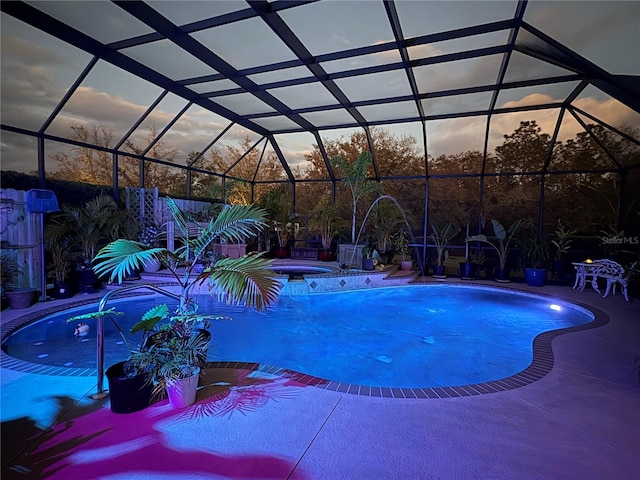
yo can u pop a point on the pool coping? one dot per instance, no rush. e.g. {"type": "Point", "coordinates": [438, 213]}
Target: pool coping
{"type": "Point", "coordinates": [541, 363]}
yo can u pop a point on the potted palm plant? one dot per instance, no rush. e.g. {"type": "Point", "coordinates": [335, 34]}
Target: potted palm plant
{"type": "Point", "coordinates": [500, 243]}
{"type": "Point", "coordinates": [89, 227]}
{"type": "Point", "coordinates": [17, 297]}
{"type": "Point", "coordinates": [562, 242]}
{"type": "Point", "coordinates": [535, 254]}
{"type": "Point", "coordinates": [354, 176]}
{"type": "Point", "coordinates": [278, 207]}
{"type": "Point", "coordinates": [326, 221]}
{"type": "Point", "coordinates": [61, 265]}
{"type": "Point", "coordinates": [174, 349]}
{"type": "Point", "coordinates": [441, 236]}
{"type": "Point", "coordinates": [370, 257]}
{"type": "Point", "coordinates": [401, 242]}
{"type": "Point", "coordinates": [383, 224]}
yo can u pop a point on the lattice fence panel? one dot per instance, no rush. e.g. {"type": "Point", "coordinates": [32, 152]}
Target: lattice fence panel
{"type": "Point", "coordinates": [145, 203]}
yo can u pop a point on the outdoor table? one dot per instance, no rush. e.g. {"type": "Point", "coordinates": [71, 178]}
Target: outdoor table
{"type": "Point", "coordinates": [584, 270]}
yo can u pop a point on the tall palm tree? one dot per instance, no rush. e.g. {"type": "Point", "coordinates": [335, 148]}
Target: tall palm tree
{"type": "Point", "coordinates": [354, 176]}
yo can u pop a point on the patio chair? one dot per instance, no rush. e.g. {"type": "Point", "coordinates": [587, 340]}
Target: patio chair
{"type": "Point", "coordinates": [614, 274]}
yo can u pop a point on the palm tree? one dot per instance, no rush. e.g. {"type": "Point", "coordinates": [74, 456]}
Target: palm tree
{"type": "Point", "coordinates": [354, 176]}
{"type": "Point", "coordinates": [178, 349]}
{"type": "Point", "coordinates": [247, 279]}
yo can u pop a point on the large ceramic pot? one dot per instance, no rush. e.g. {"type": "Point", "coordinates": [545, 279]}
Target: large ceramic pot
{"type": "Point", "coordinates": [439, 271]}
{"type": "Point", "coordinates": [467, 270]}
{"type": "Point", "coordinates": [406, 265]}
{"type": "Point", "coordinates": [20, 298]}
{"type": "Point", "coordinates": [152, 265]}
{"type": "Point", "coordinates": [282, 252]}
{"type": "Point", "coordinates": [325, 255]}
{"type": "Point", "coordinates": [503, 275]}
{"type": "Point", "coordinates": [535, 277]}
{"type": "Point", "coordinates": [127, 394]}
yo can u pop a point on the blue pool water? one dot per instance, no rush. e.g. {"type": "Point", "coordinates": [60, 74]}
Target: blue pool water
{"type": "Point", "coordinates": [413, 336]}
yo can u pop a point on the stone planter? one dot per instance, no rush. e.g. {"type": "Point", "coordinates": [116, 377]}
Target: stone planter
{"type": "Point", "coordinates": [20, 298]}
{"type": "Point", "coordinates": [350, 255]}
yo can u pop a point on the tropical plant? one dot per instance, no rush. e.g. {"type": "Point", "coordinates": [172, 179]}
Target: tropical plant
{"type": "Point", "coordinates": [562, 240]}
{"type": "Point", "coordinates": [500, 240]}
{"type": "Point", "coordinates": [173, 349]}
{"type": "Point", "coordinates": [9, 270]}
{"type": "Point", "coordinates": [384, 220]}
{"type": "Point", "coordinates": [326, 221]}
{"type": "Point", "coordinates": [441, 236]}
{"type": "Point", "coordinates": [354, 176]}
{"type": "Point", "coordinates": [61, 258]}
{"type": "Point", "coordinates": [535, 252]}
{"type": "Point", "coordinates": [401, 243]}
{"type": "Point", "coordinates": [246, 279]}
{"type": "Point", "coordinates": [278, 207]}
{"type": "Point", "coordinates": [89, 227]}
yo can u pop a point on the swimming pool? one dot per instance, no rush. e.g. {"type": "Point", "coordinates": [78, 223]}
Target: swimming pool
{"type": "Point", "coordinates": [412, 336]}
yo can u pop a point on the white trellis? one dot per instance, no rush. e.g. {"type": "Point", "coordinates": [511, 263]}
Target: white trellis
{"type": "Point", "coordinates": [145, 203]}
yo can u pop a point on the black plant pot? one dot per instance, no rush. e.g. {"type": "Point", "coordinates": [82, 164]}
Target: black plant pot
{"type": "Point", "coordinates": [467, 270]}
{"type": "Point", "coordinates": [535, 277]}
{"type": "Point", "coordinates": [503, 275]}
{"type": "Point", "coordinates": [62, 290]}
{"type": "Point", "coordinates": [86, 280]}
{"type": "Point", "coordinates": [439, 271]}
{"type": "Point", "coordinates": [127, 394]}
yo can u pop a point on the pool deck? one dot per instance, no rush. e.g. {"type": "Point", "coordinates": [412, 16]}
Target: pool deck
{"type": "Point", "coordinates": [579, 421]}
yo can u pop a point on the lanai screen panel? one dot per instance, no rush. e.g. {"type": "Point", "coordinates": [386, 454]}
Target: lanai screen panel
{"type": "Point", "coordinates": [274, 68]}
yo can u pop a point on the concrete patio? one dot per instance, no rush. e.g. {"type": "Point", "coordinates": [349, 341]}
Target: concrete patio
{"type": "Point", "coordinates": [580, 421]}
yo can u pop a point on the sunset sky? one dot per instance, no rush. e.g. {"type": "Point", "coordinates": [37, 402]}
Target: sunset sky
{"type": "Point", "coordinates": [37, 70]}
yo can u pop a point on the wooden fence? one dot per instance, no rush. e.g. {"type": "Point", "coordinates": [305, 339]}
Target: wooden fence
{"type": "Point", "coordinates": [20, 231]}
{"type": "Point", "coordinates": [20, 237]}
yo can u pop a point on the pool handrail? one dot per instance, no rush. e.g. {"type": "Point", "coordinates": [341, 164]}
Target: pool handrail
{"type": "Point", "coordinates": [100, 328]}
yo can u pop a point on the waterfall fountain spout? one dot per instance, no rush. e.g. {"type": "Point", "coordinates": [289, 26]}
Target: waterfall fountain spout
{"type": "Point", "coordinates": [404, 217]}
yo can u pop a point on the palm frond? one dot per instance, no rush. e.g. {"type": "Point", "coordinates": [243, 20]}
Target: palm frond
{"type": "Point", "coordinates": [94, 315]}
{"type": "Point", "coordinates": [247, 280]}
{"type": "Point", "coordinates": [180, 218]}
{"type": "Point", "coordinates": [121, 257]}
{"type": "Point", "coordinates": [234, 223]}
